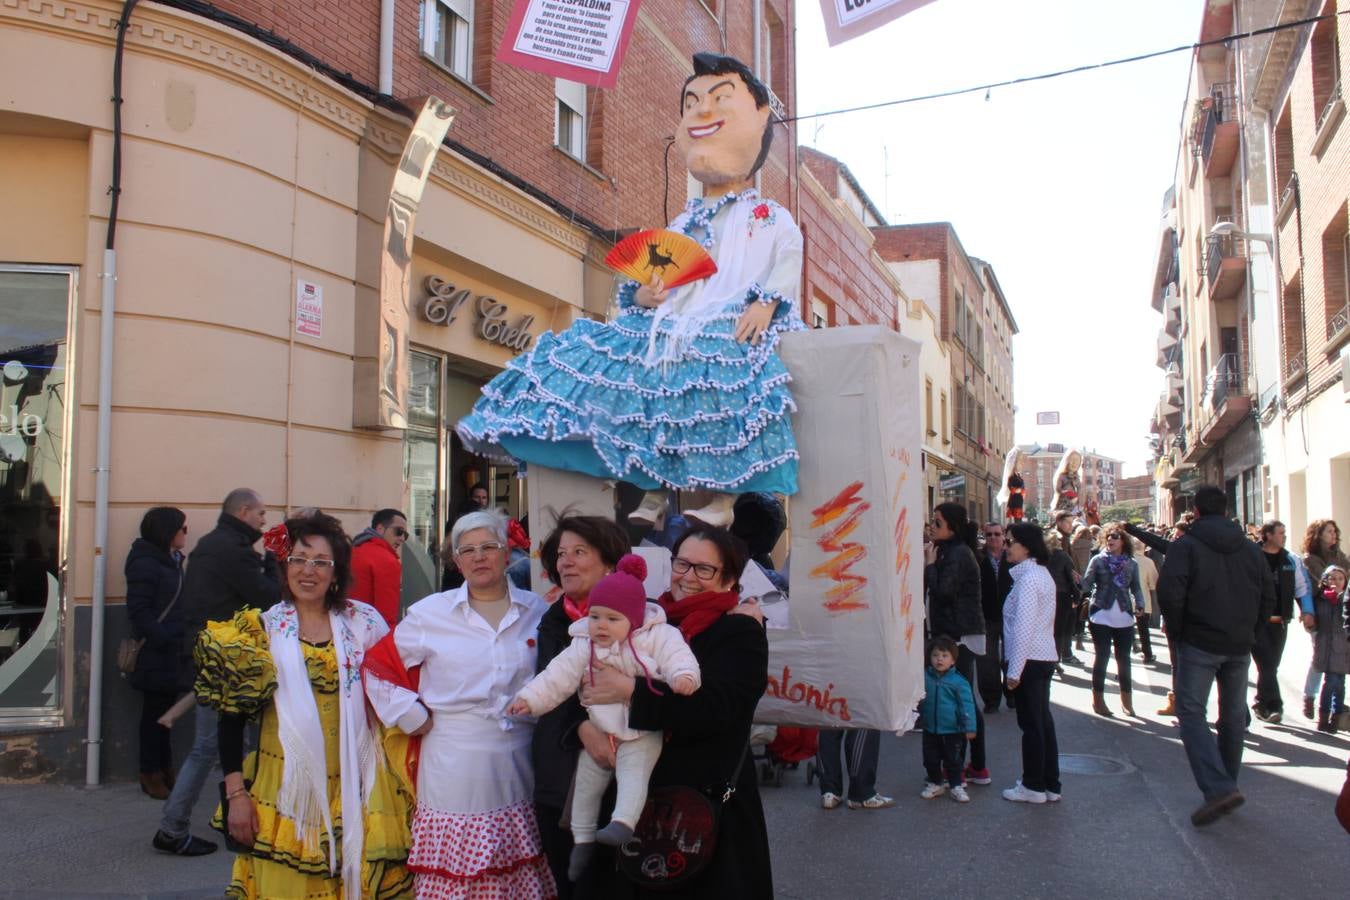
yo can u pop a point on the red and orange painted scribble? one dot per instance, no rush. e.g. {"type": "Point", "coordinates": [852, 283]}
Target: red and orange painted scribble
{"type": "Point", "coordinates": [842, 597]}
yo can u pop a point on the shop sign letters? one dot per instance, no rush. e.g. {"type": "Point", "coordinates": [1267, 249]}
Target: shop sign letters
{"type": "Point", "coordinates": [444, 302]}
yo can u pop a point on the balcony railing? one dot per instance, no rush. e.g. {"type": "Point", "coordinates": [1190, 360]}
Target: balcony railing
{"type": "Point", "coordinates": [1219, 247]}
{"type": "Point", "coordinates": [1224, 380]}
{"type": "Point", "coordinates": [1221, 107]}
{"type": "Point", "coordinates": [1337, 324]}
{"type": "Point", "coordinates": [1330, 105]}
{"type": "Point", "coordinates": [1295, 365]}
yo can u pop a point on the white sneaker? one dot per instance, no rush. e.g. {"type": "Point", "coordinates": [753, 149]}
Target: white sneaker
{"type": "Point", "coordinates": [1052, 797]}
{"type": "Point", "coordinates": [959, 794]}
{"type": "Point", "coordinates": [1019, 794]}
{"type": "Point", "coordinates": [876, 801]}
{"type": "Point", "coordinates": [830, 801]}
{"type": "Point", "coordinates": [931, 790]}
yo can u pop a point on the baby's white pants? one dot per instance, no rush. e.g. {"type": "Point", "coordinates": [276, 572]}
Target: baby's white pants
{"type": "Point", "coordinates": [633, 766]}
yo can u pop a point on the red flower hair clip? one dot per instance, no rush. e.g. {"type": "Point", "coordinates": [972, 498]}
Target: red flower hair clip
{"type": "Point", "coordinates": [277, 541]}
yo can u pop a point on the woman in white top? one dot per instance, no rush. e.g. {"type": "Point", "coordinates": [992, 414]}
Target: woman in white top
{"type": "Point", "coordinates": [1029, 644]}
{"type": "Point", "coordinates": [1117, 599]}
{"type": "Point", "coordinates": [474, 831]}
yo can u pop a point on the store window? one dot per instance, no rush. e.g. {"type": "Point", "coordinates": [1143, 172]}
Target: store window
{"type": "Point", "coordinates": [35, 306]}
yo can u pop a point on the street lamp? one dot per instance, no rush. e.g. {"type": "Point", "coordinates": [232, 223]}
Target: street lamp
{"type": "Point", "coordinates": [1230, 229]}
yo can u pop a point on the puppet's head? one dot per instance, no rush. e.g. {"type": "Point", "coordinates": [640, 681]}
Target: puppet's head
{"type": "Point", "coordinates": [725, 129]}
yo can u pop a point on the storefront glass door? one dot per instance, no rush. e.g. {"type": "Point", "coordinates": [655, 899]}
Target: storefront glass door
{"type": "Point", "coordinates": [35, 304]}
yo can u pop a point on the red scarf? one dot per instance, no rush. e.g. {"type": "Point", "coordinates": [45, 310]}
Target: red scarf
{"type": "Point", "coordinates": [694, 614]}
{"type": "Point", "coordinates": [575, 611]}
{"type": "Point", "coordinates": [383, 662]}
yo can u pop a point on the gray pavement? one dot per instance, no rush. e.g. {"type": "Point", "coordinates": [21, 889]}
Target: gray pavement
{"type": "Point", "coordinates": [1124, 834]}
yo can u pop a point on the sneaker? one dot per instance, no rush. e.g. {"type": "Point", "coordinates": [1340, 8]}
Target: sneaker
{"type": "Point", "coordinates": [1260, 711]}
{"type": "Point", "coordinates": [959, 794]}
{"type": "Point", "coordinates": [1213, 810]}
{"type": "Point", "coordinates": [1276, 717]}
{"type": "Point", "coordinates": [978, 776]}
{"type": "Point", "coordinates": [188, 845]}
{"type": "Point", "coordinates": [1052, 797]}
{"type": "Point", "coordinates": [876, 801]}
{"type": "Point", "coordinates": [830, 801]}
{"type": "Point", "coordinates": [931, 790]}
{"type": "Point", "coordinates": [1019, 794]}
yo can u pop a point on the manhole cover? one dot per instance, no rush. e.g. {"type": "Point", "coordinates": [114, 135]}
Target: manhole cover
{"type": "Point", "coordinates": [1085, 764]}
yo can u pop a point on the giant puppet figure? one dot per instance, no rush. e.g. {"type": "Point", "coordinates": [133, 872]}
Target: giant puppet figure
{"type": "Point", "coordinates": [1069, 482]}
{"type": "Point", "coordinates": [1011, 495]}
{"type": "Point", "coordinates": [683, 389]}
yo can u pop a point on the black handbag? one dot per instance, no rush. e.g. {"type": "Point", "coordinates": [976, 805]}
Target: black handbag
{"type": "Point", "coordinates": [676, 835]}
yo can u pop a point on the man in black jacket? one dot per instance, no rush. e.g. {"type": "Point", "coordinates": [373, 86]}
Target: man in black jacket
{"type": "Point", "coordinates": [995, 585]}
{"type": "Point", "coordinates": [224, 575]}
{"type": "Point", "coordinates": [1291, 582]}
{"type": "Point", "coordinates": [1215, 588]}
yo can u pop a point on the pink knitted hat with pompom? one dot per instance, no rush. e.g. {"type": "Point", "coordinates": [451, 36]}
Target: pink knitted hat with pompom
{"type": "Point", "coordinates": [622, 590]}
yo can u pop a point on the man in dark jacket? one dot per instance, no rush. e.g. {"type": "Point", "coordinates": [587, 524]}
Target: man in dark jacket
{"type": "Point", "coordinates": [995, 585]}
{"type": "Point", "coordinates": [1214, 590]}
{"type": "Point", "coordinates": [1291, 583]}
{"type": "Point", "coordinates": [224, 575]}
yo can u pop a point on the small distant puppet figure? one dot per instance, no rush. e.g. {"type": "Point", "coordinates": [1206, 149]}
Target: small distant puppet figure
{"type": "Point", "coordinates": [1068, 483]}
{"type": "Point", "coordinates": [684, 389]}
{"type": "Point", "coordinates": [1011, 495]}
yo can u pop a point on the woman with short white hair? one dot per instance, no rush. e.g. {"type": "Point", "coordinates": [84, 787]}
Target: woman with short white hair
{"type": "Point", "coordinates": [474, 831]}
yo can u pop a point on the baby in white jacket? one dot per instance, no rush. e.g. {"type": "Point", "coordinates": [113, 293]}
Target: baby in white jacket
{"type": "Point", "coordinates": [623, 631]}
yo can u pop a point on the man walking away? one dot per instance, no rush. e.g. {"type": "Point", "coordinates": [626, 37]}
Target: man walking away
{"type": "Point", "coordinates": [224, 575]}
{"type": "Point", "coordinates": [995, 584]}
{"type": "Point", "coordinates": [1215, 588]}
{"type": "Point", "coordinates": [1291, 583]}
{"type": "Point", "coordinates": [377, 572]}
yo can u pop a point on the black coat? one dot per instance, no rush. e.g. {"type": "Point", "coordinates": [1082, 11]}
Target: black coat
{"type": "Point", "coordinates": [994, 589]}
{"type": "Point", "coordinates": [555, 743]}
{"type": "Point", "coordinates": [1215, 587]}
{"type": "Point", "coordinates": [153, 580]}
{"type": "Point", "coordinates": [1061, 569]}
{"type": "Point", "coordinates": [224, 575]}
{"type": "Point", "coordinates": [953, 584]}
{"type": "Point", "coordinates": [706, 735]}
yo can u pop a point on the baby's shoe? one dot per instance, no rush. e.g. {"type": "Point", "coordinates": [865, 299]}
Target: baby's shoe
{"type": "Point", "coordinates": [579, 860]}
{"type": "Point", "coordinates": [614, 834]}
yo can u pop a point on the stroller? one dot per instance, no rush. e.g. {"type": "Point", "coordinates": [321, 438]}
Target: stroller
{"type": "Point", "coordinates": [783, 747]}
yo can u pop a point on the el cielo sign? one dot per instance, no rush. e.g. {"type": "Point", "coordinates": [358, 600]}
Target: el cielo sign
{"type": "Point", "coordinates": [444, 302]}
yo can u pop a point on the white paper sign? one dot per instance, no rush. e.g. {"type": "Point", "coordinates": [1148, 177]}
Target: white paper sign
{"type": "Point", "coordinates": [308, 308]}
{"type": "Point", "coordinates": [846, 19]}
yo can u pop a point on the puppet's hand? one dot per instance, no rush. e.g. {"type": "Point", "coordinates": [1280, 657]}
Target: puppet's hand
{"type": "Point", "coordinates": [650, 296]}
{"type": "Point", "coordinates": [754, 321]}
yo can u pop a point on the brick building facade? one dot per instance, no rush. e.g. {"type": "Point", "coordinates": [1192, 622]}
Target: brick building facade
{"type": "Point", "coordinates": [977, 325]}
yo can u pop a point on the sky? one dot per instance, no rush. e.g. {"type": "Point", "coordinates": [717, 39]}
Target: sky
{"type": "Point", "coordinates": [1057, 184]}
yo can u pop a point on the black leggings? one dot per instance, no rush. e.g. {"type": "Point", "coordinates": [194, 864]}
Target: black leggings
{"type": "Point", "coordinates": [156, 750]}
{"type": "Point", "coordinates": [1145, 639]}
{"type": "Point", "coordinates": [1103, 638]}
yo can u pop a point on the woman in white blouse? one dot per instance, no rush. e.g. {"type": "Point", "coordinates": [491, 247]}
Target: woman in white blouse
{"type": "Point", "coordinates": [474, 831]}
{"type": "Point", "coordinates": [1029, 644]}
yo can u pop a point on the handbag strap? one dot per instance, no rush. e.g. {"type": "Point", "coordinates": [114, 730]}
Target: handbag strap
{"type": "Point", "coordinates": [735, 775]}
{"type": "Point", "coordinates": [175, 596]}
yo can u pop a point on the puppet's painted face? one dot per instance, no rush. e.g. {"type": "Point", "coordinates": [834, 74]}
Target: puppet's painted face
{"type": "Point", "coordinates": [1075, 462]}
{"type": "Point", "coordinates": [721, 131]}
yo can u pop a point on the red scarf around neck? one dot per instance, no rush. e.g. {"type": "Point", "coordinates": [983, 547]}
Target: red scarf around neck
{"type": "Point", "coordinates": [695, 613]}
{"type": "Point", "coordinates": [576, 610]}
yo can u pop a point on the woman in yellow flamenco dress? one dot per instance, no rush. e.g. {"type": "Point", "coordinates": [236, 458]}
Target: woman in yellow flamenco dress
{"type": "Point", "coordinates": [297, 667]}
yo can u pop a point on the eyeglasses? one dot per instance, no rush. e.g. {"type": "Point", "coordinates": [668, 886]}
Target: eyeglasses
{"type": "Point", "coordinates": [303, 562]}
{"type": "Point", "coordinates": [399, 531]}
{"type": "Point", "coordinates": [1113, 537]}
{"type": "Point", "coordinates": [680, 566]}
{"type": "Point", "coordinates": [475, 549]}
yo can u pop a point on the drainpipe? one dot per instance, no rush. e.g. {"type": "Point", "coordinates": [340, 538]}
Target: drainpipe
{"type": "Point", "coordinates": [107, 309]}
{"type": "Point", "coordinates": [387, 47]}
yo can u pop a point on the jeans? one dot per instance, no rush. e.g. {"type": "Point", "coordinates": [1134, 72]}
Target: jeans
{"type": "Point", "coordinates": [944, 751]}
{"type": "Point", "coordinates": [1040, 748]}
{"type": "Point", "coordinates": [1270, 638]}
{"type": "Point", "coordinates": [1214, 763]}
{"type": "Point", "coordinates": [1312, 682]}
{"type": "Point", "coordinates": [1333, 695]}
{"type": "Point", "coordinates": [861, 748]}
{"type": "Point", "coordinates": [204, 757]}
{"type": "Point", "coordinates": [989, 667]}
{"type": "Point", "coordinates": [156, 750]}
{"type": "Point", "coordinates": [1066, 615]}
{"type": "Point", "coordinates": [1103, 638]}
{"type": "Point", "coordinates": [965, 664]}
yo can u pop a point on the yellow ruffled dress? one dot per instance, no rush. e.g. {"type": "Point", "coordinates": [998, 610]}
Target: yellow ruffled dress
{"type": "Point", "coordinates": [235, 675]}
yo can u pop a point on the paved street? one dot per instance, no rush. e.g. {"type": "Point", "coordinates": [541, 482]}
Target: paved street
{"type": "Point", "coordinates": [1114, 835]}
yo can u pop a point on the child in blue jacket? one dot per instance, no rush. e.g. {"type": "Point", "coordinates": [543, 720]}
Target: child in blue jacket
{"type": "Point", "coordinates": [948, 710]}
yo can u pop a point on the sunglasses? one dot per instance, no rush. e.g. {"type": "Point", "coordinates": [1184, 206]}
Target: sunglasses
{"type": "Point", "coordinates": [399, 531]}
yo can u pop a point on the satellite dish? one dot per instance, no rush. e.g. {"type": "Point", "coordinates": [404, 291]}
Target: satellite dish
{"type": "Point", "coordinates": [12, 448]}
{"type": "Point", "coordinates": [15, 371]}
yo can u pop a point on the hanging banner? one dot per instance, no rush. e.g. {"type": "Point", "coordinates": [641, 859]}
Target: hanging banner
{"type": "Point", "coordinates": [845, 19]}
{"type": "Point", "coordinates": [308, 308]}
{"type": "Point", "coordinates": [580, 40]}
